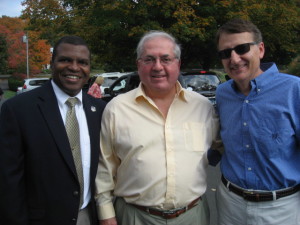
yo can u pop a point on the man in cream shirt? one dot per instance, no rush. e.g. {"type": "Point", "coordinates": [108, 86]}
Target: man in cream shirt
{"type": "Point", "coordinates": [154, 142]}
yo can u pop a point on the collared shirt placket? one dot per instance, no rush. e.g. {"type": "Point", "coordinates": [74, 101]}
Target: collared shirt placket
{"type": "Point", "coordinates": [170, 162]}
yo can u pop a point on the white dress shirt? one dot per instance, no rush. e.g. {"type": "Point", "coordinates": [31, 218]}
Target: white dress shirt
{"type": "Point", "coordinates": [85, 147]}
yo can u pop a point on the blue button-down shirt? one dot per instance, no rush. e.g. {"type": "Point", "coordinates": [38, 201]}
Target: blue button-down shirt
{"type": "Point", "coordinates": [261, 131]}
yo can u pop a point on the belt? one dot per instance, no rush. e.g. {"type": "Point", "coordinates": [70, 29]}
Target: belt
{"type": "Point", "coordinates": [256, 196]}
{"type": "Point", "coordinates": [168, 214]}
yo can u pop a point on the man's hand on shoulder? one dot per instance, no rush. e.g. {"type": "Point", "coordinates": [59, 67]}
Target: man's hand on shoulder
{"type": "Point", "coordinates": [110, 221]}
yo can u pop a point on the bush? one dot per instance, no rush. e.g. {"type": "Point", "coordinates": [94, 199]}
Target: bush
{"type": "Point", "coordinates": [15, 81]}
{"type": "Point", "coordinates": [294, 67]}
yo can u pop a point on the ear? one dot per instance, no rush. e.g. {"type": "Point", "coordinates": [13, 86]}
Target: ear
{"type": "Point", "coordinates": [137, 64]}
{"type": "Point", "coordinates": [179, 63]}
{"type": "Point", "coordinates": [261, 47]}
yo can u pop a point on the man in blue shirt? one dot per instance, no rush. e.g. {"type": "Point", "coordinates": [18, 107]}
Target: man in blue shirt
{"type": "Point", "coordinates": [259, 110]}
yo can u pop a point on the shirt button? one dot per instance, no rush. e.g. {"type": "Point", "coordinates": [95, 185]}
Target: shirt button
{"type": "Point", "coordinates": [249, 168]}
{"type": "Point", "coordinates": [247, 146]}
{"type": "Point", "coordinates": [73, 219]}
{"type": "Point", "coordinates": [247, 101]}
{"type": "Point", "coordinates": [245, 124]}
{"type": "Point", "coordinates": [258, 89]}
{"type": "Point", "coordinates": [75, 193]}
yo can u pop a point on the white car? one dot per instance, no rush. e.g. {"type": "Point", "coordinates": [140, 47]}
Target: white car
{"type": "Point", "coordinates": [109, 79]}
{"type": "Point", "coordinates": [32, 83]}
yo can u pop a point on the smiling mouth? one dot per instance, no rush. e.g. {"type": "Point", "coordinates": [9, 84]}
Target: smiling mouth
{"type": "Point", "coordinates": [238, 67]}
{"type": "Point", "coordinates": [72, 77]}
{"type": "Point", "coordinates": [158, 76]}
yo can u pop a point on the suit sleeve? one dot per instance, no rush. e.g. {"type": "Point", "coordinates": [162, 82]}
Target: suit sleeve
{"type": "Point", "coordinates": [13, 205]}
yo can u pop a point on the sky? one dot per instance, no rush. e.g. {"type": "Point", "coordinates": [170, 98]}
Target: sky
{"type": "Point", "coordinates": [11, 8]}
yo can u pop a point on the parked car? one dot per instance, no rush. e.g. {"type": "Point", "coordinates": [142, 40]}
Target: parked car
{"type": "Point", "coordinates": [122, 85]}
{"type": "Point", "coordinates": [19, 90]}
{"type": "Point", "coordinates": [109, 79]}
{"type": "Point", "coordinates": [32, 83]}
{"type": "Point", "coordinates": [203, 82]}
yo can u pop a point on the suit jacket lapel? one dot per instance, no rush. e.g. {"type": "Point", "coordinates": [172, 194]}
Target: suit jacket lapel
{"type": "Point", "coordinates": [50, 110]}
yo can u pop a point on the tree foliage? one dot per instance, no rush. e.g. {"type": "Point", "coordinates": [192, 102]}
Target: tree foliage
{"type": "Point", "coordinates": [13, 30]}
{"type": "Point", "coordinates": [113, 27]}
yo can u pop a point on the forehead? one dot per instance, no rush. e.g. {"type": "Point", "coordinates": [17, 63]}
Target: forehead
{"type": "Point", "coordinates": [227, 40]}
{"type": "Point", "coordinates": [70, 50]}
{"type": "Point", "coordinates": [158, 46]}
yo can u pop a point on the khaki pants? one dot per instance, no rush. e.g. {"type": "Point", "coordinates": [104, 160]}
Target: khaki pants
{"type": "Point", "coordinates": [127, 214]}
{"type": "Point", "coordinates": [234, 210]}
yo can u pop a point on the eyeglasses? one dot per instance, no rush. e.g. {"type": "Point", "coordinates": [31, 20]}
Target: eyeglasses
{"type": "Point", "coordinates": [239, 49]}
{"type": "Point", "coordinates": [165, 61]}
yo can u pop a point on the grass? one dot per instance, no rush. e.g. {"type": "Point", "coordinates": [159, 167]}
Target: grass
{"type": "Point", "coordinates": [8, 94]}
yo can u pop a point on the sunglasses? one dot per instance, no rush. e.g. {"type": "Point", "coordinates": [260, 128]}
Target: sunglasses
{"type": "Point", "coordinates": [239, 49]}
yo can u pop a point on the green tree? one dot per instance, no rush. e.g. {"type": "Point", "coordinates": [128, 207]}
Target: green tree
{"type": "Point", "coordinates": [48, 17]}
{"type": "Point", "coordinates": [113, 27]}
{"type": "Point", "coordinates": [279, 22]}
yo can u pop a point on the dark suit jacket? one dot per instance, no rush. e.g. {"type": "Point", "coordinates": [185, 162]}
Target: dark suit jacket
{"type": "Point", "coordinates": [38, 182]}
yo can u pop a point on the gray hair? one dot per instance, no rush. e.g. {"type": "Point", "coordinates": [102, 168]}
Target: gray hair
{"type": "Point", "coordinates": [154, 34]}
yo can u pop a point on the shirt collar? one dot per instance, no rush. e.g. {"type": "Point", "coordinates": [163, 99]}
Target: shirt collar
{"type": "Point", "coordinates": [180, 92]}
{"type": "Point", "coordinates": [62, 97]}
{"type": "Point", "coordinates": [263, 79]}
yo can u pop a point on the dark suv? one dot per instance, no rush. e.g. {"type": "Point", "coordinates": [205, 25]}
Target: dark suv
{"type": "Point", "coordinates": [203, 82]}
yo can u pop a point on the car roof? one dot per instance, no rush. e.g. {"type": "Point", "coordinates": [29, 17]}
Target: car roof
{"type": "Point", "coordinates": [42, 78]}
{"type": "Point", "coordinates": [112, 74]}
{"type": "Point", "coordinates": [197, 72]}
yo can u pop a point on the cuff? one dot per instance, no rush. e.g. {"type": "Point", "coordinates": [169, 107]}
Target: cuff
{"type": "Point", "coordinates": [105, 211]}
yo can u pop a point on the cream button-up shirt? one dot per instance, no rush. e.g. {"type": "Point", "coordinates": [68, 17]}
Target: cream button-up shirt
{"type": "Point", "coordinates": [150, 160]}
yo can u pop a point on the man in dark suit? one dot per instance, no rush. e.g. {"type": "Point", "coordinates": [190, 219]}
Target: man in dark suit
{"type": "Point", "coordinates": [38, 175]}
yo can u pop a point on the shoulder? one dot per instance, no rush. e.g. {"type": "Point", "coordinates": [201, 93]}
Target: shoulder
{"type": "Point", "coordinates": [196, 100]}
{"type": "Point", "coordinates": [124, 98]}
{"type": "Point", "coordinates": [24, 100]}
{"type": "Point", "coordinates": [224, 86]}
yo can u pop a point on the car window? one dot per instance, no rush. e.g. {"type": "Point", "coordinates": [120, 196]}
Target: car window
{"type": "Point", "coordinates": [118, 87]}
{"type": "Point", "coordinates": [201, 82]}
{"type": "Point", "coordinates": [37, 82]}
{"type": "Point", "coordinates": [108, 81]}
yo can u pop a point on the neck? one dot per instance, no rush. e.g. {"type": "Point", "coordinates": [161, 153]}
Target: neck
{"type": "Point", "coordinates": [163, 100]}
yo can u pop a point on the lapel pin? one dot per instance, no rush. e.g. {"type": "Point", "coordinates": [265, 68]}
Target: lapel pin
{"type": "Point", "coordinates": [93, 108]}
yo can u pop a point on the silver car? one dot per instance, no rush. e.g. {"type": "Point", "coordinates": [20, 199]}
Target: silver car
{"type": "Point", "coordinates": [32, 83]}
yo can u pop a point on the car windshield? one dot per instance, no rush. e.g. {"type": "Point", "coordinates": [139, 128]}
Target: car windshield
{"type": "Point", "coordinates": [109, 81]}
{"type": "Point", "coordinates": [37, 82]}
{"type": "Point", "coordinates": [201, 82]}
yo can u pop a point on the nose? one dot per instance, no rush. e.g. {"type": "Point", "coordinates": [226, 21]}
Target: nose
{"type": "Point", "coordinates": [157, 65]}
{"type": "Point", "coordinates": [234, 56]}
{"type": "Point", "coordinates": [74, 66]}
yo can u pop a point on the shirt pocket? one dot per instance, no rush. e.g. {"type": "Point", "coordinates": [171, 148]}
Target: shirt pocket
{"type": "Point", "coordinates": [274, 136]}
{"type": "Point", "coordinates": [195, 135]}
